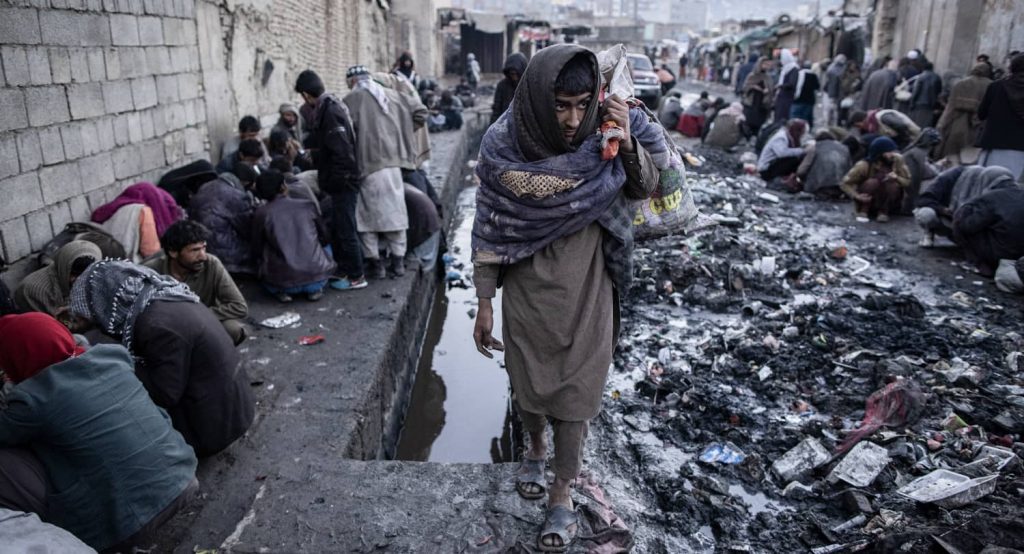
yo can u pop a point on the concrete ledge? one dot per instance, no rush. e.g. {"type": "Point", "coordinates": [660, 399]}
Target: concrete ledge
{"type": "Point", "coordinates": [319, 405]}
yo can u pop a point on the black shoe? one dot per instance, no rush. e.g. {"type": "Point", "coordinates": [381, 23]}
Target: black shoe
{"type": "Point", "coordinates": [375, 269]}
{"type": "Point", "coordinates": [398, 266]}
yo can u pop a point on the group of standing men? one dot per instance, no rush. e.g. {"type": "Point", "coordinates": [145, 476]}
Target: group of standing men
{"type": "Point", "coordinates": [364, 143]}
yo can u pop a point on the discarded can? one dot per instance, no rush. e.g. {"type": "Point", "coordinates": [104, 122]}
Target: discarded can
{"type": "Point", "coordinates": [850, 523]}
{"type": "Point", "coordinates": [724, 453]}
{"type": "Point", "coordinates": [860, 467]}
{"type": "Point", "coordinates": [311, 339]}
{"type": "Point", "coordinates": [283, 320]}
{"type": "Point", "coordinates": [948, 489]}
{"type": "Point", "coordinates": [802, 458]}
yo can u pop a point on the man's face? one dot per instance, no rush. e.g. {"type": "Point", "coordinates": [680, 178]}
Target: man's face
{"type": "Point", "coordinates": [889, 158]}
{"type": "Point", "coordinates": [308, 98]}
{"type": "Point", "coordinates": [289, 118]}
{"type": "Point", "coordinates": [249, 135]}
{"type": "Point", "coordinates": [191, 258]}
{"type": "Point", "coordinates": [407, 64]}
{"type": "Point", "coordinates": [570, 110]}
{"type": "Point", "coordinates": [513, 76]}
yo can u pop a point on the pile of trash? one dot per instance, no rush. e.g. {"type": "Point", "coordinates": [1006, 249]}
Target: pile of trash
{"type": "Point", "coordinates": [817, 396]}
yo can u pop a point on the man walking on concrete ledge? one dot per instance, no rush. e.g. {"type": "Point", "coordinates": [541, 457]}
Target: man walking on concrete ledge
{"type": "Point", "coordinates": [554, 226]}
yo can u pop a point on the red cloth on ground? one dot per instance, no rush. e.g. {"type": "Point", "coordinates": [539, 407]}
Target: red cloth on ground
{"type": "Point", "coordinates": [165, 209]}
{"type": "Point", "coordinates": [32, 342]}
{"type": "Point", "coordinates": [690, 125]}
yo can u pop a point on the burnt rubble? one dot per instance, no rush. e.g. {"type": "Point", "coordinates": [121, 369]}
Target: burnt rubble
{"type": "Point", "coordinates": [796, 382]}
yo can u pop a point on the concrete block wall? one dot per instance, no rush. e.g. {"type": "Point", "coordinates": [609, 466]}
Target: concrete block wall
{"type": "Point", "coordinates": [252, 51]}
{"type": "Point", "coordinates": [94, 95]}
{"type": "Point", "coordinates": [951, 32]}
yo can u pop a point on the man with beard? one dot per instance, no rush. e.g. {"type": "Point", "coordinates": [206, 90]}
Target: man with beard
{"type": "Point", "coordinates": [553, 226]}
{"type": "Point", "coordinates": [184, 257]}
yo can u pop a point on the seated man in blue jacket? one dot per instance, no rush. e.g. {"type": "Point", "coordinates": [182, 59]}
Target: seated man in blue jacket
{"type": "Point", "coordinates": [66, 452]}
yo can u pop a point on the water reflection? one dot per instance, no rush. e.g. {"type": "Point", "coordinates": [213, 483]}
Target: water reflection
{"type": "Point", "coordinates": [460, 410]}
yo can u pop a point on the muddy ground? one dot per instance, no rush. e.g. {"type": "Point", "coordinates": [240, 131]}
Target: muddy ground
{"type": "Point", "coordinates": [776, 327]}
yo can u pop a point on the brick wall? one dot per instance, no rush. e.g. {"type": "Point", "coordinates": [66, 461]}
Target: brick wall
{"type": "Point", "coordinates": [254, 50]}
{"type": "Point", "coordinates": [94, 95]}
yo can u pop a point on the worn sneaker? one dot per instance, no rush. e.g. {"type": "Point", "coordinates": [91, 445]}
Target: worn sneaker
{"type": "Point", "coordinates": [283, 298]}
{"type": "Point", "coordinates": [349, 284]}
{"type": "Point", "coordinates": [927, 242]}
{"type": "Point", "coordinates": [314, 296]}
{"type": "Point", "coordinates": [882, 218]}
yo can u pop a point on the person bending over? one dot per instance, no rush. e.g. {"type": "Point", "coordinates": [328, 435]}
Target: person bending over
{"type": "Point", "coordinates": [81, 443]}
{"type": "Point", "coordinates": [185, 358]}
{"type": "Point", "coordinates": [876, 183]}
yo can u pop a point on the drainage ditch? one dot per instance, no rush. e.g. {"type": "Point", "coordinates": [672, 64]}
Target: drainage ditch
{"type": "Point", "coordinates": [459, 410]}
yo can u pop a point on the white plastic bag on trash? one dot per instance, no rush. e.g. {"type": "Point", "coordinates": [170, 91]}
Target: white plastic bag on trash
{"type": "Point", "coordinates": [671, 209]}
{"type": "Point", "coordinates": [1007, 277]}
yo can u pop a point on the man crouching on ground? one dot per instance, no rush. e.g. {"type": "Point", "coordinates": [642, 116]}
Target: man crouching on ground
{"type": "Point", "coordinates": [554, 226]}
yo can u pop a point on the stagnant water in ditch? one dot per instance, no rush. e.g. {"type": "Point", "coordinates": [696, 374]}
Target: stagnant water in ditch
{"type": "Point", "coordinates": [460, 405]}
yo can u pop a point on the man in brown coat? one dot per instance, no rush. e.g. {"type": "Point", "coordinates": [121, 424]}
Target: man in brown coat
{"type": "Point", "coordinates": [959, 122]}
{"type": "Point", "coordinates": [185, 258]}
{"type": "Point", "coordinates": [876, 184]}
{"type": "Point", "coordinates": [552, 219]}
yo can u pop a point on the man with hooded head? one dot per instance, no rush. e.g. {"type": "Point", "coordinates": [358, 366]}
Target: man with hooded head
{"type": "Point", "coordinates": [785, 93]}
{"type": "Point", "coordinates": [554, 227]}
{"type": "Point", "coordinates": [505, 90]}
{"type": "Point", "coordinates": [290, 121]}
{"type": "Point", "coordinates": [47, 289]}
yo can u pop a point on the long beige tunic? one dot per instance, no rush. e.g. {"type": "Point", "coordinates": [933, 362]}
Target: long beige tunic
{"type": "Point", "coordinates": [560, 315]}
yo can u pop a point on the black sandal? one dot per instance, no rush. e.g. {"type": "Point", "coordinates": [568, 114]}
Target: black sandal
{"type": "Point", "coordinates": [557, 523]}
{"type": "Point", "coordinates": [531, 472]}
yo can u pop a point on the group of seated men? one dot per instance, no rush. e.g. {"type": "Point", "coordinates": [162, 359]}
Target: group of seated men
{"type": "Point", "coordinates": [883, 165]}
{"type": "Point", "coordinates": [137, 314]}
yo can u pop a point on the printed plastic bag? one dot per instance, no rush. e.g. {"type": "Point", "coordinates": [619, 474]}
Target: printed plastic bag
{"type": "Point", "coordinates": [671, 209]}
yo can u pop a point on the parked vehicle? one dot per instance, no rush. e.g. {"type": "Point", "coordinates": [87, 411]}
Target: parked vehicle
{"type": "Point", "coordinates": [646, 85]}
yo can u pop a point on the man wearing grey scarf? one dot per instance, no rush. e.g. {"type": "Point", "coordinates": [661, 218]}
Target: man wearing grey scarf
{"type": "Point", "coordinates": [548, 224]}
{"type": "Point", "coordinates": [183, 355]}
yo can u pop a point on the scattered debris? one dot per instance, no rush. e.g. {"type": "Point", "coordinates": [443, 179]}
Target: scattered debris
{"type": "Point", "coordinates": [861, 465]}
{"type": "Point", "coordinates": [311, 339]}
{"type": "Point", "coordinates": [280, 321]}
{"type": "Point", "coordinates": [726, 453]}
